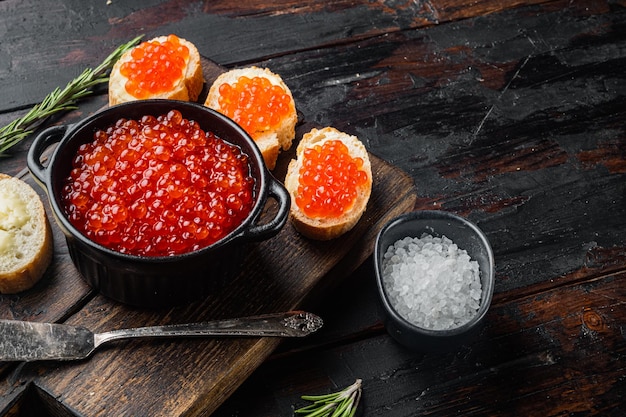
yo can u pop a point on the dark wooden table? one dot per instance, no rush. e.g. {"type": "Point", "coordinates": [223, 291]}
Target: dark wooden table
{"type": "Point", "coordinates": [511, 113]}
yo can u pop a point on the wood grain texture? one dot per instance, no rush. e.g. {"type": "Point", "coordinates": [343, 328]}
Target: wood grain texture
{"type": "Point", "coordinates": [277, 276]}
{"type": "Point", "coordinates": [225, 32]}
{"type": "Point", "coordinates": [552, 353]}
{"type": "Point", "coordinates": [509, 113]}
{"type": "Point", "coordinates": [516, 123]}
{"type": "Point", "coordinates": [500, 119]}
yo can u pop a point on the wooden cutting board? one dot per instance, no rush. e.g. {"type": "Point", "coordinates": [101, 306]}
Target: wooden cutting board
{"type": "Point", "coordinates": [188, 376]}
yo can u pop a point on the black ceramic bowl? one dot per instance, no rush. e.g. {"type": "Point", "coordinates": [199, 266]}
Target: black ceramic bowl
{"type": "Point", "coordinates": [468, 237]}
{"type": "Point", "coordinates": [157, 281]}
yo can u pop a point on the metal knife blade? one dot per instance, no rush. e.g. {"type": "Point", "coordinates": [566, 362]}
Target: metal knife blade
{"type": "Point", "coordinates": [31, 341]}
{"type": "Point", "coordinates": [28, 341]}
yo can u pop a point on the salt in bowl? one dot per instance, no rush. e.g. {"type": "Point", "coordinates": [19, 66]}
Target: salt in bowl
{"type": "Point", "coordinates": [408, 329]}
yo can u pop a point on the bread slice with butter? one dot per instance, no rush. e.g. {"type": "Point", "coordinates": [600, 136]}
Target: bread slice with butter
{"type": "Point", "coordinates": [186, 88]}
{"type": "Point", "coordinates": [26, 243]}
{"type": "Point", "coordinates": [270, 139]}
{"type": "Point", "coordinates": [326, 227]}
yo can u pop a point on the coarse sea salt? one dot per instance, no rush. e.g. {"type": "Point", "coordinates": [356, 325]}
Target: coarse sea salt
{"type": "Point", "coordinates": [431, 282]}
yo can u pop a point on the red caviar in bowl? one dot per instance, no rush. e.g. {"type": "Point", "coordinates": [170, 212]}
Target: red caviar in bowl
{"type": "Point", "coordinates": [158, 186]}
{"type": "Point", "coordinates": [329, 180]}
{"type": "Point", "coordinates": [254, 103]}
{"type": "Point", "coordinates": [155, 67]}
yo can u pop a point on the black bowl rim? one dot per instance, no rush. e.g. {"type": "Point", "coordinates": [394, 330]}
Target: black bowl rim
{"type": "Point", "coordinates": [390, 310]}
{"type": "Point", "coordinates": [167, 105]}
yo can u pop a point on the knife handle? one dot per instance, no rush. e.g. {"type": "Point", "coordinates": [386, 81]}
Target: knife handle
{"type": "Point", "coordinates": [289, 324]}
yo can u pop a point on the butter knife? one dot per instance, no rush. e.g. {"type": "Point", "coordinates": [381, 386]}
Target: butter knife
{"type": "Point", "coordinates": [32, 341]}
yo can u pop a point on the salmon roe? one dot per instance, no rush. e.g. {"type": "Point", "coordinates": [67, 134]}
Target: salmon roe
{"type": "Point", "coordinates": [329, 179]}
{"type": "Point", "coordinates": [158, 186]}
{"type": "Point", "coordinates": [155, 67]}
{"type": "Point", "coordinates": [254, 103]}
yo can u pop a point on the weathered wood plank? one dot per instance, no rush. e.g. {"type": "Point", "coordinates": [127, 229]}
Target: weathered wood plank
{"type": "Point", "coordinates": [515, 123]}
{"type": "Point", "coordinates": [513, 118]}
{"type": "Point", "coordinates": [504, 119]}
{"type": "Point", "coordinates": [68, 39]}
{"type": "Point", "coordinates": [277, 276]}
{"type": "Point", "coordinates": [553, 353]}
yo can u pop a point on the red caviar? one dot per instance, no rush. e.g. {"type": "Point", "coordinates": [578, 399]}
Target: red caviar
{"type": "Point", "coordinates": [329, 180]}
{"type": "Point", "coordinates": [254, 103]}
{"type": "Point", "coordinates": [155, 67]}
{"type": "Point", "coordinates": [158, 186]}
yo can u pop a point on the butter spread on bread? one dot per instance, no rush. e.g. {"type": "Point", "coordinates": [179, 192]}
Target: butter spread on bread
{"type": "Point", "coordinates": [25, 236]}
{"type": "Point", "coordinates": [272, 127]}
{"type": "Point", "coordinates": [328, 224]}
{"type": "Point", "coordinates": [166, 67]}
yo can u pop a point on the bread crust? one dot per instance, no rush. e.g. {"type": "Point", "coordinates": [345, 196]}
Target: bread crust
{"type": "Point", "coordinates": [187, 88]}
{"type": "Point", "coordinates": [270, 142]}
{"type": "Point", "coordinates": [27, 268]}
{"type": "Point", "coordinates": [327, 228]}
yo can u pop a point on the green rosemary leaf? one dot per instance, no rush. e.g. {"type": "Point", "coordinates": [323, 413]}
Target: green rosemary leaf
{"type": "Point", "coordinates": [321, 397]}
{"type": "Point", "coordinates": [309, 408]}
{"type": "Point", "coordinates": [60, 100]}
{"type": "Point", "coordinates": [322, 412]}
{"type": "Point", "coordinates": [340, 410]}
{"type": "Point", "coordinates": [343, 403]}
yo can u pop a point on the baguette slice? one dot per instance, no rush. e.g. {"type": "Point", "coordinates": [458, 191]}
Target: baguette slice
{"type": "Point", "coordinates": [186, 88]}
{"type": "Point", "coordinates": [26, 243]}
{"type": "Point", "coordinates": [270, 141]}
{"type": "Point", "coordinates": [327, 228]}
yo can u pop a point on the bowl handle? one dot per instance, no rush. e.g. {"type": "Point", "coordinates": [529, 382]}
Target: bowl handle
{"type": "Point", "coordinates": [271, 228]}
{"type": "Point", "coordinates": [42, 142]}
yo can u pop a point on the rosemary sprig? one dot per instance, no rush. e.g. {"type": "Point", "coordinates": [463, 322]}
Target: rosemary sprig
{"type": "Point", "coordinates": [337, 404]}
{"type": "Point", "coordinates": [60, 100]}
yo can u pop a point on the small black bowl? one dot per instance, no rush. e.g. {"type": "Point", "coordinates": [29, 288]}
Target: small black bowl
{"type": "Point", "coordinates": [157, 281]}
{"type": "Point", "coordinates": [468, 237]}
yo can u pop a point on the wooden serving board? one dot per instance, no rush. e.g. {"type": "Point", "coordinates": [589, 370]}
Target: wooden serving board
{"type": "Point", "coordinates": [187, 376]}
